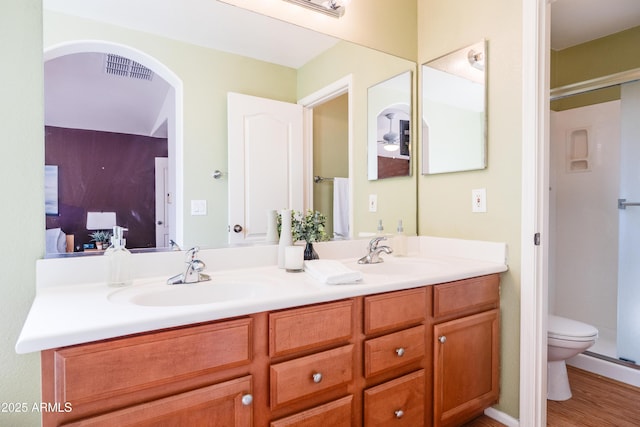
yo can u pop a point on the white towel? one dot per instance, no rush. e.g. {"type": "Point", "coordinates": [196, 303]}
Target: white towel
{"type": "Point", "coordinates": [331, 272]}
{"type": "Point", "coordinates": [341, 207]}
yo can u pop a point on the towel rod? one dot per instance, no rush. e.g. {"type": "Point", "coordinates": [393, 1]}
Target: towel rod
{"type": "Point", "coordinates": [622, 204]}
{"type": "Point", "coordinates": [317, 179]}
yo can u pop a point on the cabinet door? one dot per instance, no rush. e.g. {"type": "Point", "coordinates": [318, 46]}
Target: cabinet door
{"type": "Point", "coordinates": [225, 404]}
{"type": "Point", "coordinates": [466, 363]}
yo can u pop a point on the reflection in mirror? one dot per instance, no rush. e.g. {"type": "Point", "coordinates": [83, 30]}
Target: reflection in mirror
{"type": "Point", "coordinates": [454, 111]}
{"type": "Point", "coordinates": [279, 61]}
{"type": "Point", "coordinates": [389, 125]}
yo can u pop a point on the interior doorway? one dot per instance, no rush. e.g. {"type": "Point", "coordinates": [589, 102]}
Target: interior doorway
{"type": "Point", "coordinates": [64, 94]}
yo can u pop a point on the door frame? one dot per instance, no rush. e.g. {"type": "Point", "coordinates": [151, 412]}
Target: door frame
{"type": "Point", "coordinates": [327, 93]}
{"type": "Point", "coordinates": [536, 23]}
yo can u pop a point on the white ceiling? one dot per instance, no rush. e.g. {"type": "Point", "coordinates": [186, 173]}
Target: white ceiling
{"type": "Point", "coordinates": [579, 21]}
{"type": "Point", "coordinates": [217, 25]}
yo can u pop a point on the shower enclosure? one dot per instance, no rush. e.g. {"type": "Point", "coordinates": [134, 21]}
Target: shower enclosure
{"type": "Point", "coordinates": [594, 271]}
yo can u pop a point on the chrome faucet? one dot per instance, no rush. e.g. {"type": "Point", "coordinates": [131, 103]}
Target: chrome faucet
{"type": "Point", "coordinates": [373, 257]}
{"type": "Point", "coordinates": [193, 273]}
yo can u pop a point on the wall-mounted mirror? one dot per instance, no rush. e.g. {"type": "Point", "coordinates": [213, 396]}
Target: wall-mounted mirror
{"type": "Point", "coordinates": [454, 135]}
{"type": "Point", "coordinates": [389, 127]}
{"type": "Point", "coordinates": [199, 46]}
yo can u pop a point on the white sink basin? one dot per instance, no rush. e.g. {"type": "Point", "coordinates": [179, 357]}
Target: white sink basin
{"type": "Point", "coordinates": [394, 266]}
{"type": "Point", "coordinates": [162, 295]}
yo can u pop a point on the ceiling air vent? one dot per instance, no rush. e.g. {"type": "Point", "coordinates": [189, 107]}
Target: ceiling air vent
{"type": "Point", "coordinates": [125, 67]}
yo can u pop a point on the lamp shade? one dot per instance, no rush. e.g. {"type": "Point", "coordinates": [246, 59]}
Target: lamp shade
{"type": "Point", "coordinates": [101, 220]}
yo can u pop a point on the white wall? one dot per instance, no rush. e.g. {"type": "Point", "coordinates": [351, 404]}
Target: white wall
{"type": "Point", "coordinates": [584, 218]}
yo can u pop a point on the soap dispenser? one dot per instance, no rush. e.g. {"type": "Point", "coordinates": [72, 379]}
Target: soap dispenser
{"type": "Point", "coordinates": [118, 260]}
{"type": "Point", "coordinates": [400, 241]}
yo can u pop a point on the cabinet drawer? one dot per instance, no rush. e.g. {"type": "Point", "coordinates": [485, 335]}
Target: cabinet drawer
{"type": "Point", "coordinates": [335, 414]}
{"type": "Point", "coordinates": [398, 402]}
{"type": "Point", "coordinates": [308, 327]}
{"type": "Point", "coordinates": [97, 371]}
{"type": "Point", "coordinates": [393, 350]}
{"type": "Point", "coordinates": [304, 376]}
{"type": "Point", "coordinates": [466, 296]}
{"type": "Point", "coordinates": [394, 310]}
{"type": "Point", "coordinates": [219, 404]}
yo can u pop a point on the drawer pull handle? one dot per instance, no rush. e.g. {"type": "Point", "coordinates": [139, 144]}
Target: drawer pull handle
{"type": "Point", "coordinates": [399, 413]}
{"type": "Point", "coordinates": [247, 399]}
{"type": "Point", "coordinates": [317, 377]}
{"type": "Point", "coordinates": [442, 339]}
{"type": "Point", "coordinates": [400, 351]}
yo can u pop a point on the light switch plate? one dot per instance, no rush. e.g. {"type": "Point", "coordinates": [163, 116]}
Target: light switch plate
{"type": "Point", "coordinates": [479, 200]}
{"type": "Point", "coordinates": [198, 207]}
{"type": "Point", "coordinates": [373, 203]}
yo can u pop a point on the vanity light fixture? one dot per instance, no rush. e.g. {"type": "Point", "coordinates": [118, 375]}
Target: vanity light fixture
{"type": "Point", "coordinates": [335, 8]}
{"type": "Point", "coordinates": [476, 59]}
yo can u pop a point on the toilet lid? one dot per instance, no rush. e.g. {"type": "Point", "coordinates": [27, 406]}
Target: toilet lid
{"type": "Point", "coordinates": [569, 329]}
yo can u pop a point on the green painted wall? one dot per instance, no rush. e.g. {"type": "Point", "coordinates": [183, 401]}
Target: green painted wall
{"type": "Point", "coordinates": [445, 199]}
{"type": "Point", "coordinates": [22, 213]}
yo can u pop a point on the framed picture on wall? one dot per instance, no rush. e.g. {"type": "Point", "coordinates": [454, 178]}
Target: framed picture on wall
{"type": "Point", "coordinates": [51, 189]}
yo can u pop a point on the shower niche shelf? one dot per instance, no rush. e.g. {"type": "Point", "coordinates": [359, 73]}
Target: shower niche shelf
{"type": "Point", "coordinates": [578, 150]}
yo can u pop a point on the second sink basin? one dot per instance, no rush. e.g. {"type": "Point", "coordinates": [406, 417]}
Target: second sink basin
{"type": "Point", "coordinates": [394, 266]}
{"type": "Point", "coordinates": [162, 295]}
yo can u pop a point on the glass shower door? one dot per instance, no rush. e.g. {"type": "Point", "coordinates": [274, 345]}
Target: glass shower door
{"type": "Point", "coordinates": [628, 325]}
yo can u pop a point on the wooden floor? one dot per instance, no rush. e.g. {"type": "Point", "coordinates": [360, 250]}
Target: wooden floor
{"type": "Point", "coordinates": [597, 402]}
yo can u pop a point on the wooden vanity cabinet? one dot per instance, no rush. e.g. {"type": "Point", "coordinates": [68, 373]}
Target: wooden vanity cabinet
{"type": "Point", "coordinates": [183, 375]}
{"type": "Point", "coordinates": [466, 347]}
{"type": "Point", "coordinates": [416, 357]}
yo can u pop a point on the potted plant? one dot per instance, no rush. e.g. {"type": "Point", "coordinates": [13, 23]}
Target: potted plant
{"type": "Point", "coordinates": [101, 238]}
{"type": "Point", "coordinates": [310, 228]}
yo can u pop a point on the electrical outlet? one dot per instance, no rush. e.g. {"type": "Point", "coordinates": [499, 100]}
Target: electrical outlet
{"type": "Point", "coordinates": [373, 203]}
{"type": "Point", "coordinates": [479, 200]}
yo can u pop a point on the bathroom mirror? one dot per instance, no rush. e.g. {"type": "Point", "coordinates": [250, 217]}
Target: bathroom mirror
{"type": "Point", "coordinates": [454, 123]}
{"type": "Point", "coordinates": [207, 74]}
{"type": "Point", "coordinates": [389, 127]}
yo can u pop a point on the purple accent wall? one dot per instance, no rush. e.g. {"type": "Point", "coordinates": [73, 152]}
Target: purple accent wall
{"type": "Point", "coordinates": [108, 172]}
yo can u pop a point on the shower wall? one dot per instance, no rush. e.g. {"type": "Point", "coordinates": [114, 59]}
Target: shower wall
{"type": "Point", "coordinates": [584, 178]}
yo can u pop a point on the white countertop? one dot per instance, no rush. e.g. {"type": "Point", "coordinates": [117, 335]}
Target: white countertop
{"type": "Point", "coordinates": [65, 314]}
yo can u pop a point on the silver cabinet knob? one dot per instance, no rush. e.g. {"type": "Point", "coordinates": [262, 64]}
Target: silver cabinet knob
{"type": "Point", "coordinates": [247, 399]}
{"type": "Point", "coordinates": [317, 377]}
{"type": "Point", "coordinates": [400, 351]}
{"type": "Point", "coordinates": [399, 413]}
{"type": "Point", "coordinates": [237, 228]}
{"type": "Point", "coordinates": [442, 339]}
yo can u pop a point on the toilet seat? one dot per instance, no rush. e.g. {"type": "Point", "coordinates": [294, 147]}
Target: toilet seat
{"type": "Point", "coordinates": [562, 328]}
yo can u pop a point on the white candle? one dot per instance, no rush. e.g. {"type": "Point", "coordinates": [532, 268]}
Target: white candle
{"type": "Point", "coordinates": [294, 258]}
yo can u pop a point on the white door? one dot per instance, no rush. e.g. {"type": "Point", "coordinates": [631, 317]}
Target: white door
{"type": "Point", "coordinates": [265, 144]}
{"type": "Point", "coordinates": [162, 202]}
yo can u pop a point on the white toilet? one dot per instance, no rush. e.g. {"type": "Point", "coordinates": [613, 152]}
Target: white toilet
{"type": "Point", "coordinates": [565, 339]}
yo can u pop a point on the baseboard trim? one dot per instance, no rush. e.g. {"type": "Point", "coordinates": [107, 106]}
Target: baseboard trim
{"type": "Point", "coordinates": [501, 417]}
